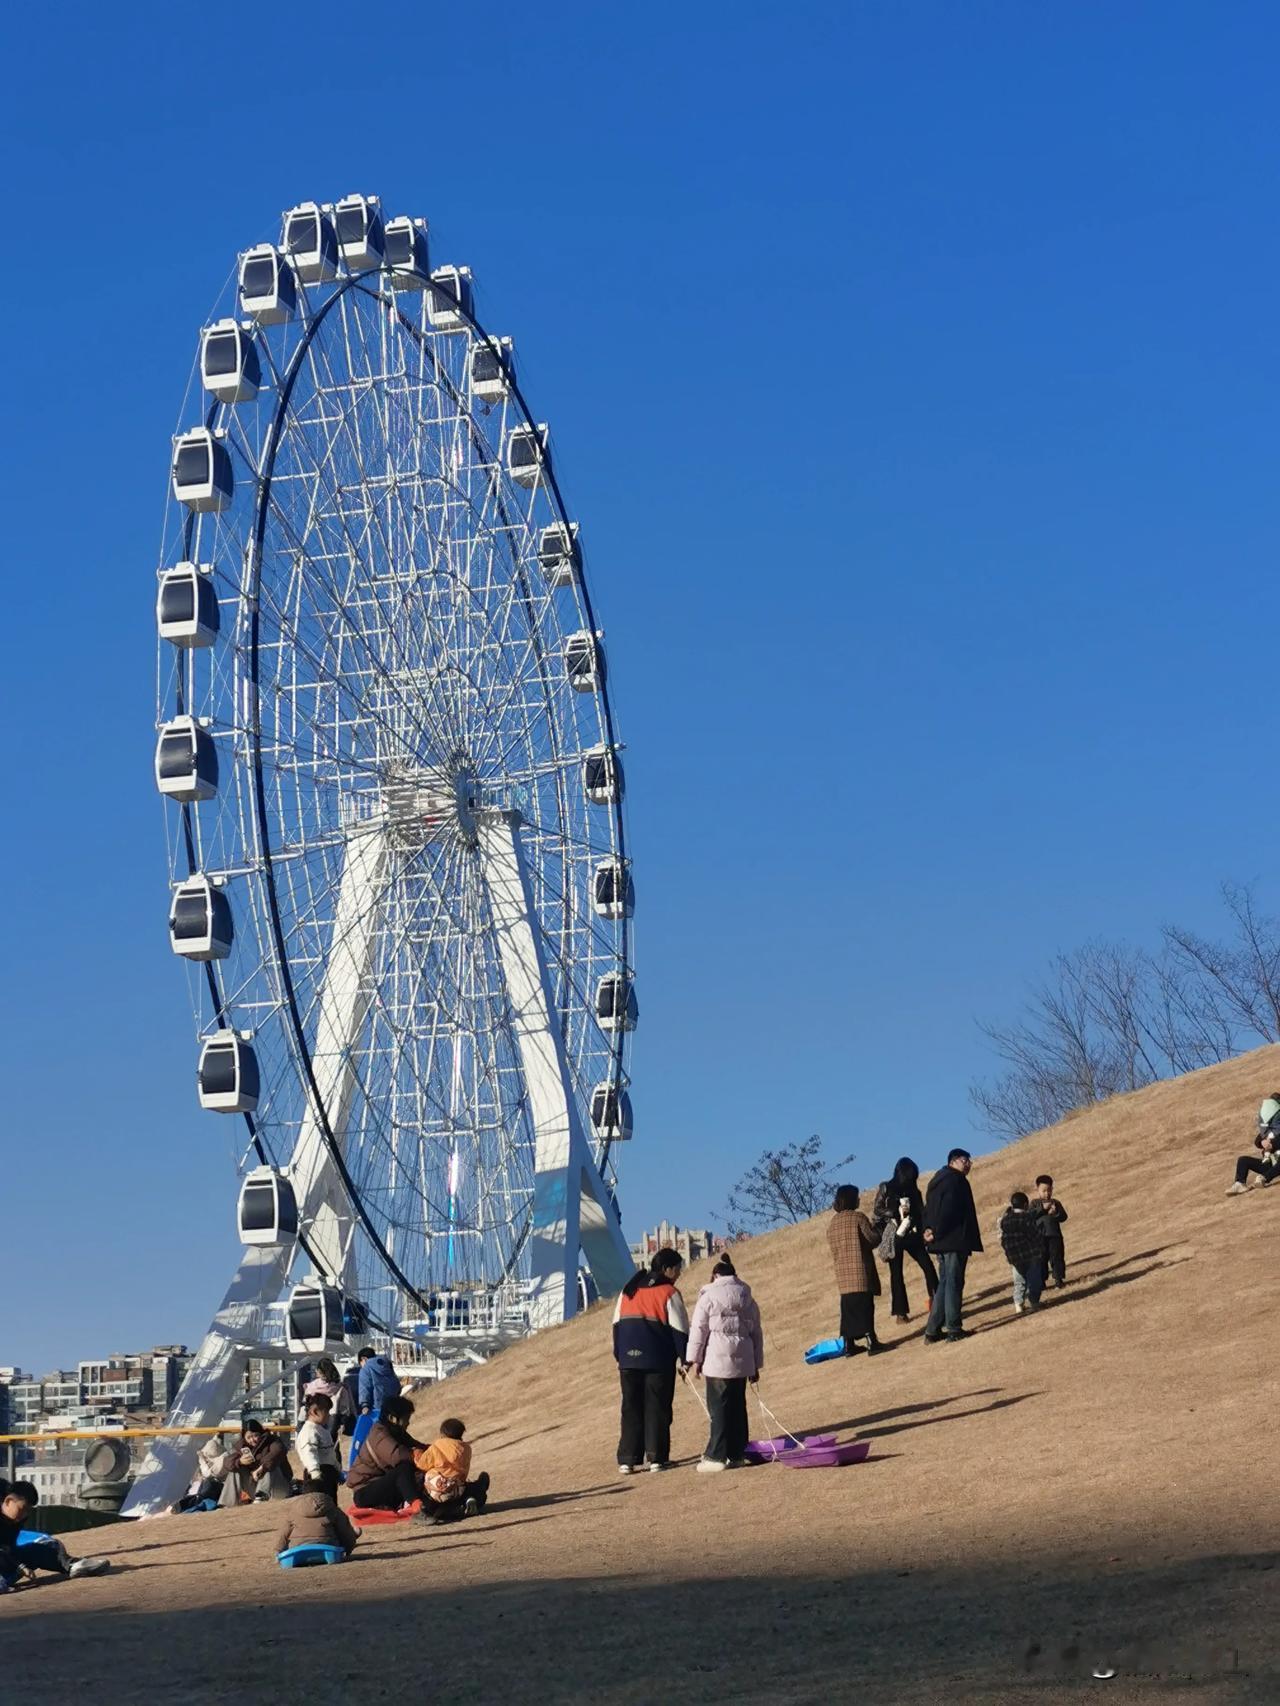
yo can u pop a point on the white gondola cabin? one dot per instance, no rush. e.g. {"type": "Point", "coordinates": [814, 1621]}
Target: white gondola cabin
{"type": "Point", "coordinates": [309, 242]}
{"type": "Point", "coordinates": [408, 256]}
{"type": "Point", "coordinates": [611, 1113]}
{"type": "Point", "coordinates": [202, 477]}
{"type": "Point", "coordinates": [227, 1077]}
{"type": "Point", "coordinates": [613, 893]}
{"type": "Point", "coordinates": [527, 454]}
{"type": "Point", "coordinates": [584, 662]}
{"type": "Point", "coordinates": [186, 761]}
{"type": "Point", "coordinates": [229, 365]}
{"type": "Point", "coordinates": [357, 222]}
{"type": "Point", "coordinates": [559, 554]}
{"type": "Point", "coordinates": [267, 1212]}
{"type": "Point", "coordinates": [200, 926]}
{"type": "Point", "coordinates": [267, 291]}
{"type": "Point", "coordinates": [449, 304]}
{"type": "Point", "coordinates": [313, 1321]}
{"type": "Point", "coordinates": [602, 776]}
{"type": "Point", "coordinates": [491, 368]}
{"type": "Point", "coordinates": [187, 605]}
{"type": "Point", "coordinates": [616, 1006]}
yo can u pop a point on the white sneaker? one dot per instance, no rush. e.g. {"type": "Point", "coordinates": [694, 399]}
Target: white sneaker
{"type": "Point", "coordinates": [1018, 1308]}
{"type": "Point", "coordinates": [711, 1466]}
{"type": "Point", "coordinates": [90, 1567]}
{"type": "Point", "coordinates": [1236, 1189]}
{"type": "Point", "coordinates": [657, 1468]}
{"type": "Point", "coordinates": [626, 1469]}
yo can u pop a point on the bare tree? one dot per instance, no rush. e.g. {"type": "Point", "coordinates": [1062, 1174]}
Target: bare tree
{"type": "Point", "coordinates": [1110, 1018]}
{"type": "Point", "coordinates": [1239, 979]}
{"type": "Point", "coordinates": [783, 1186]}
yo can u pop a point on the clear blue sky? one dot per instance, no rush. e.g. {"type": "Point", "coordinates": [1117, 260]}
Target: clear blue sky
{"type": "Point", "coordinates": [913, 368]}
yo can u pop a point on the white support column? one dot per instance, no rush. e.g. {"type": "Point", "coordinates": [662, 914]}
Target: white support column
{"type": "Point", "coordinates": [239, 1328]}
{"type": "Point", "coordinates": [571, 1206]}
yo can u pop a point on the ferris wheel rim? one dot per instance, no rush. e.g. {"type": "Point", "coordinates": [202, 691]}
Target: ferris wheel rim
{"type": "Point", "coordinates": [343, 288]}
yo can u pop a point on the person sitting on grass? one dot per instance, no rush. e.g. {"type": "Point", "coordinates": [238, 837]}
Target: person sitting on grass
{"type": "Point", "coordinates": [447, 1495]}
{"type": "Point", "coordinates": [314, 1518]}
{"type": "Point", "coordinates": [17, 1500]}
{"type": "Point", "coordinates": [214, 1462]}
{"type": "Point", "coordinates": [261, 1464]}
{"type": "Point", "coordinates": [1266, 1163]}
{"type": "Point", "coordinates": [383, 1476]}
{"type": "Point", "coordinates": [1024, 1249]}
{"type": "Point", "coordinates": [315, 1444]}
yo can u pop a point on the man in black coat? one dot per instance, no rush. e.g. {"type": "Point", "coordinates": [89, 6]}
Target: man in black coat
{"type": "Point", "coordinates": [952, 1235]}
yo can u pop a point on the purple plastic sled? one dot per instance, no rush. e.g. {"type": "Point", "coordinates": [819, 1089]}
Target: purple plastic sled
{"type": "Point", "coordinates": [828, 1456]}
{"type": "Point", "coordinates": [770, 1450]}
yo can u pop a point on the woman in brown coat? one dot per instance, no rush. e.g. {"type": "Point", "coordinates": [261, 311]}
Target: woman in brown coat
{"type": "Point", "coordinates": [383, 1476]}
{"type": "Point", "coordinates": [853, 1247]}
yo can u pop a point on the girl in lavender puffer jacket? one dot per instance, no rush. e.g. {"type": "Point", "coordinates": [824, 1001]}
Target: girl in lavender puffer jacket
{"type": "Point", "coordinates": [726, 1343]}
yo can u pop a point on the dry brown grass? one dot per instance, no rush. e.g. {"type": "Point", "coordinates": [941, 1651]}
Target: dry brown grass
{"type": "Point", "coordinates": [1080, 1470]}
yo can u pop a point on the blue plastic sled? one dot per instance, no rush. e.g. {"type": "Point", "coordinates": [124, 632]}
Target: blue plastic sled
{"type": "Point", "coordinates": [299, 1557]}
{"type": "Point", "coordinates": [824, 1350]}
{"type": "Point", "coordinates": [360, 1433]}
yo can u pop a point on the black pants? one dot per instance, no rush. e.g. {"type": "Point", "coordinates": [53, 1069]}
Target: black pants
{"type": "Point", "coordinates": [857, 1317]}
{"type": "Point", "coordinates": [1055, 1257]}
{"type": "Point", "coordinates": [1253, 1164]}
{"type": "Point", "coordinates": [647, 1397]}
{"type": "Point", "coordinates": [453, 1510]}
{"type": "Point", "coordinates": [399, 1486]}
{"type": "Point", "coordinates": [209, 1488]}
{"type": "Point", "coordinates": [727, 1402]}
{"type": "Point", "coordinates": [913, 1246]}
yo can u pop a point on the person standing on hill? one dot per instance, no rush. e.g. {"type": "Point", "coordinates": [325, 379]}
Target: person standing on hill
{"type": "Point", "coordinates": [852, 1242]}
{"type": "Point", "coordinates": [952, 1234]}
{"type": "Point", "coordinates": [328, 1382]}
{"type": "Point", "coordinates": [899, 1204]}
{"type": "Point", "coordinates": [377, 1381]}
{"type": "Point", "coordinates": [1052, 1219]}
{"type": "Point", "coordinates": [650, 1337]}
{"type": "Point", "coordinates": [1022, 1241]}
{"type": "Point", "coordinates": [726, 1343]}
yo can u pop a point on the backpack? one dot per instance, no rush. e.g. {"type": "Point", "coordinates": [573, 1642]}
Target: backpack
{"type": "Point", "coordinates": [882, 1208]}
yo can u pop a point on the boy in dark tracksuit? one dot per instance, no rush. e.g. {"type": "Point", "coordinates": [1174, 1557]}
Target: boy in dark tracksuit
{"type": "Point", "coordinates": [1052, 1216]}
{"type": "Point", "coordinates": [1023, 1246]}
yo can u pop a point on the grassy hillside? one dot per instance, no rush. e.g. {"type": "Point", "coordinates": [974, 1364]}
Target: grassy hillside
{"type": "Point", "coordinates": [1100, 1472]}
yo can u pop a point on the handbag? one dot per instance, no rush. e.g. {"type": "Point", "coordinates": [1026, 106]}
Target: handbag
{"type": "Point", "coordinates": [887, 1248]}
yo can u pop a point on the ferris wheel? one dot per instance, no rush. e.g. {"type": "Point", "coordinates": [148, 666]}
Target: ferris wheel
{"type": "Point", "coordinates": [398, 868]}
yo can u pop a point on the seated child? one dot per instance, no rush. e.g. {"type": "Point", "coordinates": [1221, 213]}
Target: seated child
{"type": "Point", "coordinates": [1266, 1163]}
{"type": "Point", "coordinates": [1023, 1246]}
{"type": "Point", "coordinates": [314, 1518]}
{"type": "Point", "coordinates": [17, 1501]}
{"type": "Point", "coordinates": [445, 1464]}
{"type": "Point", "coordinates": [1052, 1215]}
{"type": "Point", "coordinates": [213, 1464]}
{"type": "Point", "coordinates": [316, 1447]}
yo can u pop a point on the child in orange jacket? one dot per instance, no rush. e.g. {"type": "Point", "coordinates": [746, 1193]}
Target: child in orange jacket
{"type": "Point", "coordinates": [445, 1464]}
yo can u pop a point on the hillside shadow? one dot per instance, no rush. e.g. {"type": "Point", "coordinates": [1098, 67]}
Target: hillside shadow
{"type": "Point", "coordinates": [1120, 1274]}
{"type": "Point", "coordinates": [978, 1631]}
{"type": "Point", "coordinates": [931, 1421]}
